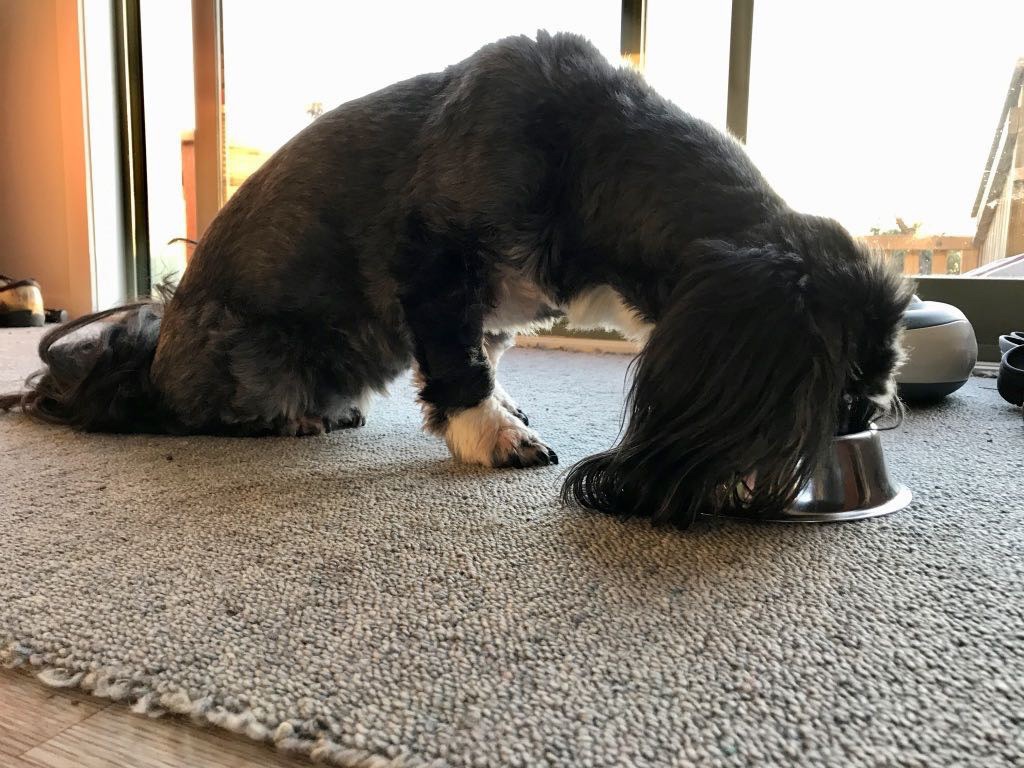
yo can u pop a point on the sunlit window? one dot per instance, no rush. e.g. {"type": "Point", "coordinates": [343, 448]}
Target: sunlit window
{"type": "Point", "coordinates": [283, 69]}
{"type": "Point", "coordinates": [883, 115]}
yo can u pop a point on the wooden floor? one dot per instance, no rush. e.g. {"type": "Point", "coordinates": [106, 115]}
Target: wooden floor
{"type": "Point", "coordinates": [43, 727]}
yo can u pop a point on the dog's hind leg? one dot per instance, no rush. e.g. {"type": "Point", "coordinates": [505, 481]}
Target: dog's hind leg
{"type": "Point", "coordinates": [495, 345]}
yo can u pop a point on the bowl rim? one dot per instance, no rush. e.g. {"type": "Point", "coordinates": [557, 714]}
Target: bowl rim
{"type": "Point", "coordinates": [871, 431]}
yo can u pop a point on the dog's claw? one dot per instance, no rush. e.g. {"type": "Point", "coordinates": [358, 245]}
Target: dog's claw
{"type": "Point", "coordinates": [522, 417]}
{"type": "Point", "coordinates": [529, 453]}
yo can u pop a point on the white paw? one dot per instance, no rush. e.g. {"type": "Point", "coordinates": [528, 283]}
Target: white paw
{"type": "Point", "coordinates": [490, 435]}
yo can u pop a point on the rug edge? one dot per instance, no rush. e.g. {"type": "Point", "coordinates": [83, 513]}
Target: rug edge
{"type": "Point", "coordinates": [141, 698]}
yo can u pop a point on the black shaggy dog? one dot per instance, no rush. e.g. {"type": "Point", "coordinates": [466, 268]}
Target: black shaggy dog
{"type": "Point", "coordinates": [427, 223]}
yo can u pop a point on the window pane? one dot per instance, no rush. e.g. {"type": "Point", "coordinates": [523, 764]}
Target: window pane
{"type": "Point", "coordinates": [169, 104]}
{"type": "Point", "coordinates": [687, 57]}
{"type": "Point", "coordinates": [882, 115]}
{"type": "Point", "coordinates": [283, 63]}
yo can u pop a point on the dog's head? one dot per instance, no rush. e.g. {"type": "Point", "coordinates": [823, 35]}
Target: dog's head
{"type": "Point", "coordinates": [738, 392]}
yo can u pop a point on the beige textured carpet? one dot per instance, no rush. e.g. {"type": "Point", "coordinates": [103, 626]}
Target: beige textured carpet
{"type": "Point", "coordinates": [359, 597]}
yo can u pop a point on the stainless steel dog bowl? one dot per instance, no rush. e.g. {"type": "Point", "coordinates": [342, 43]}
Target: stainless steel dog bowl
{"type": "Point", "coordinates": [851, 484]}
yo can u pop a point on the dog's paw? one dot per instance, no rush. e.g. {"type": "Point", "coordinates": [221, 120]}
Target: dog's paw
{"type": "Point", "coordinates": [530, 451]}
{"type": "Point", "coordinates": [304, 426]}
{"type": "Point", "coordinates": [350, 420]}
{"type": "Point", "coordinates": [489, 434]}
{"type": "Point", "coordinates": [348, 413]}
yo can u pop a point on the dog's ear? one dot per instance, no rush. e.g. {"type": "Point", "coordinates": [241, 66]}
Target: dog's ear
{"type": "Point", "coordinates": [734, 398]}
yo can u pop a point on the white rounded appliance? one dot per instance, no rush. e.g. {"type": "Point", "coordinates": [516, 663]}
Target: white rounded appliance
{"type": "Point", "coordinates": [941, 350]}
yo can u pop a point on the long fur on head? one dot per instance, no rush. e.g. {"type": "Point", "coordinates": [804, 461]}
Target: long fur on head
{"type": "Point", "coordinates": [97, 372]}
{"type": "Point", "coordinates": [736, 395]}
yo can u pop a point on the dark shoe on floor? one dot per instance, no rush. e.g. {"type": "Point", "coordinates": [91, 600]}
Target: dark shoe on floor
{"type": "Point", "coordinates": [21, 303]}
{"type": "Point", "coordinates": [1011, 376]}
{"type": "Point", "coordinates": [1010, 340]}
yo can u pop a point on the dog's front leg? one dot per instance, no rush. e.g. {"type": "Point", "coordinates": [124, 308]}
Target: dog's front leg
{"type": "Point", "coordinates": [456, 380]}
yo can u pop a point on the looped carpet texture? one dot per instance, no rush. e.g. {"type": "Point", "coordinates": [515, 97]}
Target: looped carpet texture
{"type": "Point", "coordinates": [361, 598]}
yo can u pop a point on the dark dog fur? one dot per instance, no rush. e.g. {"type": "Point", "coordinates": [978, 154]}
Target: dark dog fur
{"type": "Point", "coordinates": [426, 223]}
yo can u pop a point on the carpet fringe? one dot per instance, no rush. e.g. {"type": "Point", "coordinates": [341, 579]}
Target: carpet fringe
{"type": "Point", "coordinates": [290, 736]}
